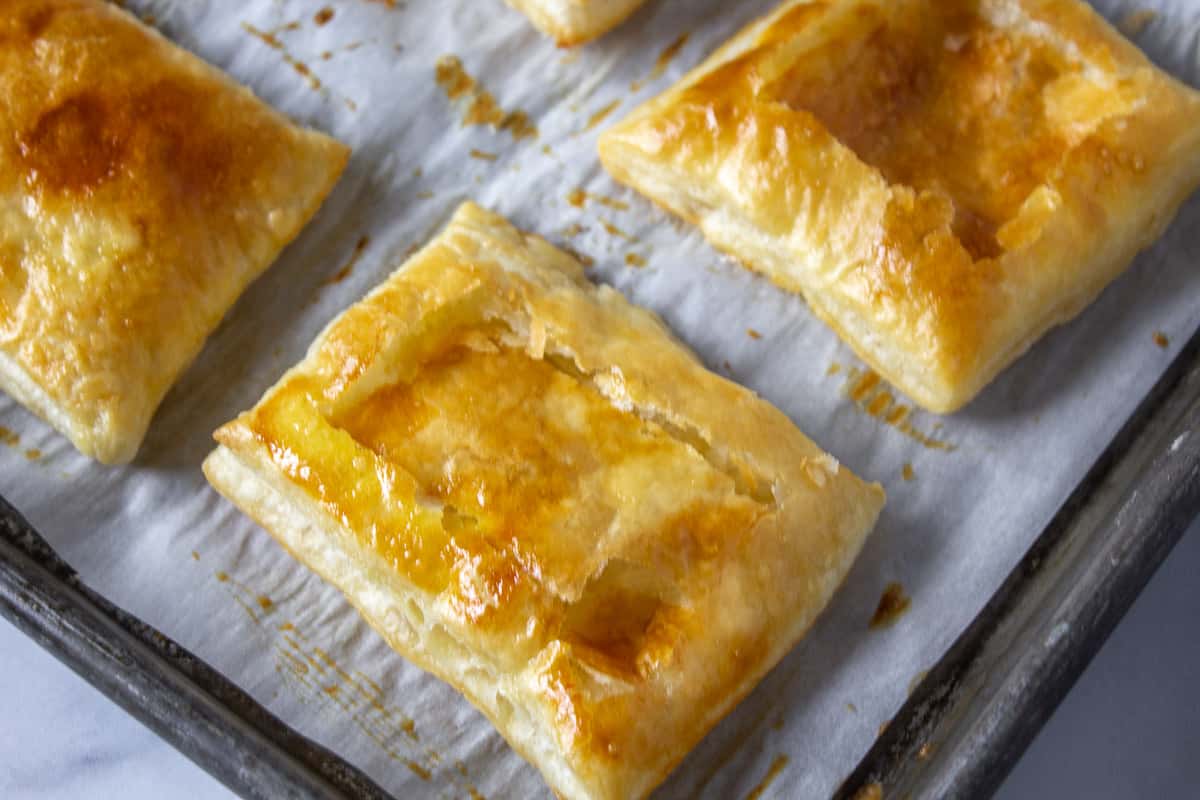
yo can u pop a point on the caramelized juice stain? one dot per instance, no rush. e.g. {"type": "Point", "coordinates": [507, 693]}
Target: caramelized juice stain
{"type": "Point", "coordinates": [600, 115]}
{"type": "Point", "coordinates": [257, 606]}
{"type": "Point", "coordinates": [315, 676]}
{"type": "Point", "coordinates": [907, 472]}
{"type": "Point", "coordinates": [753, 334]}
{"type": "Point", "coordinates": [323, 16]}
{"type": "Point", "coordinates": [1161, 340]}
{"type": "Point", "coordinates": [479, 106]}
{"type": "Point", "coordinates": [10, 438]}
{"type": "Point", "coordinates": [348, 267]}
{"type": "Point", "coordinates": [865, 389]}
{"type": "Point", "coordinates": [1135, 22]}
{"type": "Point", "coordinates": [777, 766]}
{"type": "Point", "coordinates": [615, 231]}
{"type": "Point", "coordinates": [272, 41]}
{"type": "Point", "coordinates": [634, 260]}
{"type": "Point", "coordinates": [483, 155]}
{"type": "Point", "coordinates": [893, 604]}
{"type": "Point", "coordinates": [660, 65]}
{"type": "Point", "coordinates": [579, 198]}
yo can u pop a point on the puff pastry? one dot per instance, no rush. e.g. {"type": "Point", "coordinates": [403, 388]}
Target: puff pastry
{"type": "Point", "coordinates": [573, 22]}
{"type": "Point", "coordinates": [535, 493]}
{"type": "Point", "coordinates": [141, 190]}
{"type": "Point", "coordinates": [943, 180]}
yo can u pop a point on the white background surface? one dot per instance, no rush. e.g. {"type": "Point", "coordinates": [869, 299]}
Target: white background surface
{"type": "Point", "coordinates": [1129, 729]}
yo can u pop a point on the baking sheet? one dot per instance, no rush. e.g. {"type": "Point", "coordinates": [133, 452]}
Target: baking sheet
{"type": "Point", "coordinates": [155, 540]}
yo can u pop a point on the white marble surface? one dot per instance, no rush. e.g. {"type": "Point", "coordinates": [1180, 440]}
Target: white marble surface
{"type": "Point", "coordinates": [1129, 729]}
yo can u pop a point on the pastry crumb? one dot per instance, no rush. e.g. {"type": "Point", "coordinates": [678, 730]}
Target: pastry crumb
{"type": "Point", "coordinates": [753, 334]}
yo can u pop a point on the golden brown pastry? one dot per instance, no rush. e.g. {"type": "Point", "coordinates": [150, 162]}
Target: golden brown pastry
{"type": "Point", "coordinates": [530, 489]}
{"type": "Point", "coordinates": [943, 180]}
{"type": "Point", "coordinates": [141, 190]}
{"type": "Point", "coordinates": [573, 22]}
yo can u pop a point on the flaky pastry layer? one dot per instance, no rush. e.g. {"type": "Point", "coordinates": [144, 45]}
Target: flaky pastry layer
{"type": "Point", "coordinates": [943, 180]}
{"type": "Point", "coordinates": [572, 22]}
{"type": "Point", "coordinates": [536, 493]}
{"type": "Point", "coordinates": [141, 190]}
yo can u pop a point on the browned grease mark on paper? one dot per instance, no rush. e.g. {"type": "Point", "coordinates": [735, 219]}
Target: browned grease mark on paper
{"type": "Point", "coordinates": [348, 267]}
{"type": "Point", "coordinates": [600, 115]}
{"type": "Point", "coordinates": [660, 66]}
{"type": "Point", "coordinates": [579, 198]}
{"type": "Point", "coordinates": [479, 106]}
{"type": "Point", "coordinates": [314, 675]}
{"type": "Point", "coordinates": [907, 472]}
{"type": "Point", "coordinates": [892, 605]}
{"type": "Point", "coordinates": [753, 334]}
{"type": "Point", "coordinates": [777, 766]}
{"type": "Point", "coordinates": [1161, 340]}
{"type": "Point", "coordinates": [257, 606]}
{"type": "Point", "coordinates": [867, 391]}
{"type": "Point", "coordinates": [323, 16]}
{"type": "Point", "coordinates": [613, 230]}
{"type": "Point", "coordinates": [1133, 23]}
{"type": "Point", "coordinates": [634, 260]}
{"type": "Point", "coordinates": [271, 41]}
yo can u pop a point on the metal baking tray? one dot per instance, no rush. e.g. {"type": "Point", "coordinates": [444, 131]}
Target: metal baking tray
{"type": "Point", "coordinates": [958, 735]}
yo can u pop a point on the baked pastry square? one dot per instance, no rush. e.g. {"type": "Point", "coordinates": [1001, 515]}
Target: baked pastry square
{"type": "Point", "coordinates": [531, 490]}
{"type": "Point", "coordinates": [141, 190]}
{"type": "Point", "coordinates": [943, 180]}
{"type": "Point", "coordinates": [572, 22]}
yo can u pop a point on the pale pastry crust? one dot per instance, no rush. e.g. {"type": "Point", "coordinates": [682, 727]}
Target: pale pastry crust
{"type": "Point", "coordinates": [942, 180]}
{"type": "Point", "coordinates": [141, 190]}
{"type": "Point", "coordinates": [572, 22]}
{"type": "Point", "coordinates": [533, 491]}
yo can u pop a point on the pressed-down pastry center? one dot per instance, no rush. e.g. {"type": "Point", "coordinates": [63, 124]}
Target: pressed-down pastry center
{"type": "Point", "coordinates": [544, 480]}
{"type": "Point", "coordinates": [940, 101]}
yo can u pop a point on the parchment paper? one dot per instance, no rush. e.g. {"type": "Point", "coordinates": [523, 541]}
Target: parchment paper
{"type": "Point", "coordinates": [156, 540]}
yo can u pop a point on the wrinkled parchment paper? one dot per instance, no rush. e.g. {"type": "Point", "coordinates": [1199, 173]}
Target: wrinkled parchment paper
{"type": "Point", "coordinates": [156, 540]}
